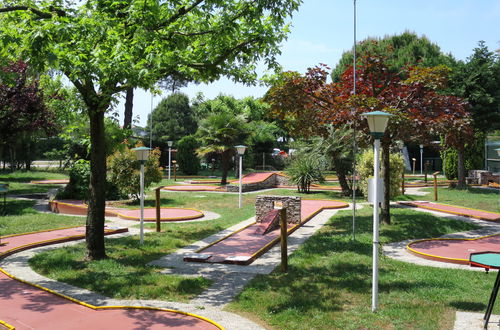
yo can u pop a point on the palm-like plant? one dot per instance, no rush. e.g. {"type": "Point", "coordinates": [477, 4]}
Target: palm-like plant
{"type": "Point", "coordinates": [219, 133]}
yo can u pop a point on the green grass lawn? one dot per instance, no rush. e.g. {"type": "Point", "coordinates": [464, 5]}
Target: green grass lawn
{"type": "Point", "coordinates": [20, 218]}
{"type": "Point", "coordinates": [328, 285]}
{"type": "Point", "coordinates": [19, 181]}
{"type": "Point", "coordinates": [125, 275]}
{"type": "Point", "coordinates": [477, 198]}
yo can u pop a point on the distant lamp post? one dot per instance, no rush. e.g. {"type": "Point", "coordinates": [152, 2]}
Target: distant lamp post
{"type": "Point", "coordinates": [241, 151]}
{"type": "Point", "coordinates": [142, 154]}
{"type": "Point", "coordinates": [421, 158]}
{"type": "Point", "coordinates": [377, 122]}
{"type": "Point", "coordinates": [414, 161]}
{"type": "Point", "coordinates": [169, 156]}
{"type": "Point", "coordinates": [498, 153]}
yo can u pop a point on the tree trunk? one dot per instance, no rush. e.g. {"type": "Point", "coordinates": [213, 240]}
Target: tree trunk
{"type": "Point", "coordinates": [341, 174]}
{"type": "Point", "coordinates": [95, 219]}
{"type": "Point", "coordinates": [461, 184]}
{"type": "Point", "coordinates": [225, 165]}
{"type": "Point", "coordinates": [386, 173]}
{"type": "Point", "coordinates": [129, 105]}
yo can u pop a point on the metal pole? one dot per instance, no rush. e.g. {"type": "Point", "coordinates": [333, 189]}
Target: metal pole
{"type": "Point", "coordinates": [142, 201]}
{"type": "Point", "coordinates": [151, 124]}
{"type": "Point", "coordinates": [241, 175]}
{"type": "Point", "coordinates": [421, 158]}
{"type": "Point", "coordinates": [169, 160]}
{"type": "Point", "coordinates": [354, 135]}
{"type": "Point", "coordinates": [375, 225]}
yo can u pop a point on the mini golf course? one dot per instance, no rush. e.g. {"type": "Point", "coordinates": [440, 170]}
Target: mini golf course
{"type": "Point", "coordinates": [75, 207]}
{"type": "Point", "coordinates": [247, 179]}
{"type": "Point", "coordinates": [453, 250]}
{"type": "Point", "coordinates": [29, 306]}
{"type": "Point", "coordinates": [244, 246]}
{"type": "Point", "coordinates": [456, 210]}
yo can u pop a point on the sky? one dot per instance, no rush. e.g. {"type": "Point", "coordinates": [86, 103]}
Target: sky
{"type": "Point", "coordinates": [323, 29]}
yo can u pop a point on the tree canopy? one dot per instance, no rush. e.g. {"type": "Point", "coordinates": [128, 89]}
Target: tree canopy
{"type": "Point", "coordinates": [105, 47]}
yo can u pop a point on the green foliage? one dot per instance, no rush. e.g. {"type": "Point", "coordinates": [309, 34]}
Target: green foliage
{"type": "Point", "coordinates": [478, 81]}
{"type": "Point", "coordinates": [403, 49]}
{"type": "Point", "coordinates": [473, 156]}
{"type": "Point", "coordinates": [172, 118]}
{"type": "Point", "coordinates": [124, 171]}
{"type": "Point", "coordinates": [79, 179]}
{"type": "Point", "coordinates": [365, 170]}
{"type": "Point", "coordinates": [305, 170]}
{"type": "Point", "coordinates": [186, 155]}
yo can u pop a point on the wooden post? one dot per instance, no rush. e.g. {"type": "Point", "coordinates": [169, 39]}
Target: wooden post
{"type": "Point", "coordinates": [158, 210]}
{"type": "Point", "coordinates": [426, 168]}
{"type": "Point", "coordinates": [175, 169]}
{"type": "Point", "coordinates": [284, 247]}
{"type": "Point", "coordinates": [435, 185]}
{"type": "Point", "coordinates": [403, 183]}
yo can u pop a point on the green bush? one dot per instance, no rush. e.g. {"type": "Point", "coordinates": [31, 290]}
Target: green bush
{"type": "Point", "coordinates": [124, 171]}
{"type": "Point", "coordinates": [365, 170]}
{"type": "Point", "coordinates": [186, 155]}
{"type": "Point", "coordinates": [473, 156]}
{"type": "Point", "coordinates": [305, 170]}
{"type": "Point", "coordinates": [79, 179]}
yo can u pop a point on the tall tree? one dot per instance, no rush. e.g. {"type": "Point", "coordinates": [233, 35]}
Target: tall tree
{"type": "Point", "coordinates": [105, 47]}
{"type": "Point", "coordinates": [172, 119]}
{"type": "Point", "coordinates": [219, 133]}
{"type": "Point", "coordinates": [478, 81]}
{"type": "Point", "coordinates": [23, 113]}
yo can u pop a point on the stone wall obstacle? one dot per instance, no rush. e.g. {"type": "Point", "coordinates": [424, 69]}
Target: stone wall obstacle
{"type": "Point", "coordinates": [266, 203]}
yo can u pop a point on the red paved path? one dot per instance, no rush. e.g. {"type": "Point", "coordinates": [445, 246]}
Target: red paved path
{"type": "Point", "coordinates": [194, 188]}
{"type": "Point", "coordinates": [166, 213]}
{"type": "Point", "coordinates": [477, 214]}
{"type": "Point", "coordinates": [55, 181]}
{"type": "Point", "coordinates": [26, 307]}
{"type": "Point", "coordinates": [454, 250]}
{"type": "Point", "coordinates": [244, 246]}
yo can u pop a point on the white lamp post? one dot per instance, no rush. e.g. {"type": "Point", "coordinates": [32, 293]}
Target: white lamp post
{"type": "Point", "coordinates": [142, 154]}
{"type": "Point", "coordinates": [169, 156]}
{"type": "Point", "coordinates": [377, 121]}
{"type": "Point", "coordinates": [421, 158]}
{"type": "Point", "coordinates": [241, 151]}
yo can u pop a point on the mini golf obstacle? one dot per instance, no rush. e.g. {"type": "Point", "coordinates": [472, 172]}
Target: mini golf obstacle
{"type": "Point", "coordinates": [75, 207]}
{"type": "Point", "coordinates": [453, 250]}
{"type": "Point", "coordinates": [244, 246]}
{"type": "Point", "coordinates": [456, 210]}
{"type": "Point", "coordinates": [29, 306]}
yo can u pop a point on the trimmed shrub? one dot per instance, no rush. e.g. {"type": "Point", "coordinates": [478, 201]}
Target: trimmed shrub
{"type": "Point", "coordinates": [186, 155]}
{"type": "Point", "coordinates": [365, 170]}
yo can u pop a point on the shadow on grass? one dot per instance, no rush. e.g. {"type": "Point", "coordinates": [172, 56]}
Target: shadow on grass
{"type": "Point", "coordinates": [17, 207]}
{"type": "Point", "coordinates": [468, 306]}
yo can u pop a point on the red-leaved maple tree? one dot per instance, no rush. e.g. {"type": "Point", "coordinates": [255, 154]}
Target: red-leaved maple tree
{"type": "Point", "coordinates": [414, 96]}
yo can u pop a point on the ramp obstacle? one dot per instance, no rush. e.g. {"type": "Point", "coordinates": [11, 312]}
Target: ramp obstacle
{"type": "Point", "coordinates": [244, 246]}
